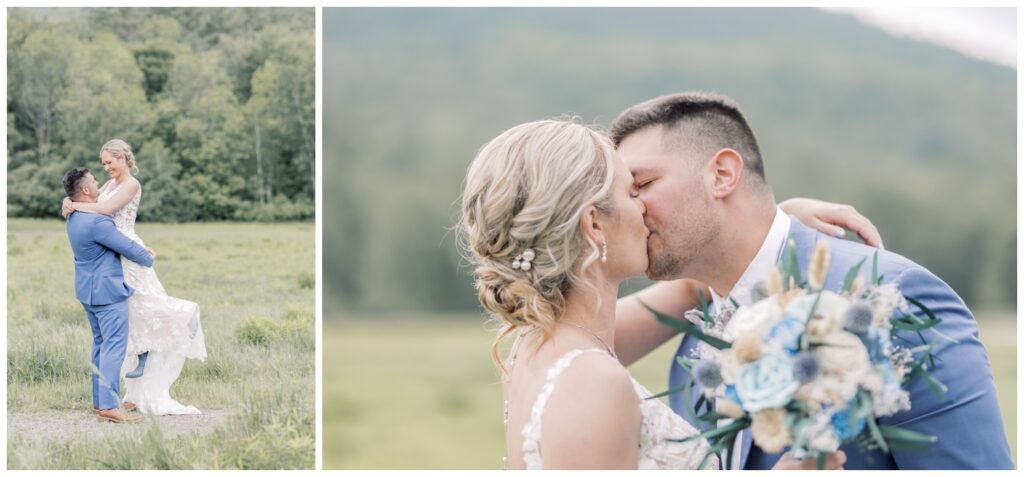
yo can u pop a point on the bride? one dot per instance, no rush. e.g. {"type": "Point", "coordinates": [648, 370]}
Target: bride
{"type": "Point", "coordinates": [553, 223]}
{"type": "Point", "coordinates": [162, 330]}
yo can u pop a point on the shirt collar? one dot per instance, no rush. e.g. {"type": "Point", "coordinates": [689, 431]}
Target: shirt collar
{"type": "Point", "coordinates": [766, 258]}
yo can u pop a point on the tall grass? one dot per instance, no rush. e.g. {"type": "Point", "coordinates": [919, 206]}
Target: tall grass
{"type": "Point", "coordinates": [419, 392]}
{"type": "Point", "coordinates": [239, 274]}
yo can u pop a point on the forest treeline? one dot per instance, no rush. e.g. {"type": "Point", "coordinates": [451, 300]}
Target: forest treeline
{"type": "Point", "coordinates": [217, 103]}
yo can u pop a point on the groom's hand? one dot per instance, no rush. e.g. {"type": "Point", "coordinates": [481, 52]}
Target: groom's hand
{"type": "Point", "coordinates": [833, 461]}
{"type": "Point", "coordinates": [152, 252]}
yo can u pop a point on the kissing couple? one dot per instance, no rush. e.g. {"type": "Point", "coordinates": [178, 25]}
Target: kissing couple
{"type": "Point", "coordinates": [128, 309]}
{"type": "Point", "coordinates": [556, 215]}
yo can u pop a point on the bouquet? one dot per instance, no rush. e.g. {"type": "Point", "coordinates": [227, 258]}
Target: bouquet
{"type": "Point", "coordinates": [805, 367]}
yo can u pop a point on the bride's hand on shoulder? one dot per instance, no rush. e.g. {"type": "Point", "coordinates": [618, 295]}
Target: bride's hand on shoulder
{"type": "Point", "coordinates": [832, 219]}
{"type": "Point", "coordinates": [833, 461]}
{"type": "Point", "coordinates": [66, 207]}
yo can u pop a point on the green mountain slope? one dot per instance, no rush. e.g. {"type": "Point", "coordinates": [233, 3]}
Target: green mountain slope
{"type": "Point", "coordinates": [921, 139]}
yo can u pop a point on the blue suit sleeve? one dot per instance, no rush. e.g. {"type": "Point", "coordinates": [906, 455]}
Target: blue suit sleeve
{"type": "Point", "coordinates": [967, 422]}
{"type": "Point", "coordinates": [106, 234]}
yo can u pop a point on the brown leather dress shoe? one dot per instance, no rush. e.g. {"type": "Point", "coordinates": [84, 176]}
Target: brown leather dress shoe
{"type": "Point", "coordinates": [118, 415]}
{"type": "Point", "coordinates": [128, 406]}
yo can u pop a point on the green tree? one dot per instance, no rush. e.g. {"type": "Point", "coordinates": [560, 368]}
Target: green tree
{"type": "Point", "coordinates": [38, 70]}
{"type": "Point", "coordinates": [176, 83]}
{"type": "Point", "coordinates": [104, 99]}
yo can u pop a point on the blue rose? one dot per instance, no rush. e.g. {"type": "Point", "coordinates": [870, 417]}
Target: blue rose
{"type": "Point", "coordinates": [766, 383]}
{"type": "Point", "coordinates": [787, 334]}
{"type": "Point", "coordinates": [844, 426]}
{"type": "Point", "coordinates": [731, 394]}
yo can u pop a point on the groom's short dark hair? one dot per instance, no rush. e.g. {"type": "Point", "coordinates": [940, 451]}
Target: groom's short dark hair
{"type": "Point", "coordinates": [714, 119]}
{"type": "Point", "coordinates": [74, 180]}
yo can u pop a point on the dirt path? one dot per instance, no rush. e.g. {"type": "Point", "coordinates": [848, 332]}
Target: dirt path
{"type": "Point", "coordinates": [62, 425]}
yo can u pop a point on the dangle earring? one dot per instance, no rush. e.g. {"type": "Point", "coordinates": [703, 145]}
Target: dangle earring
{"type": "Point", "coordinates": [604, 250]}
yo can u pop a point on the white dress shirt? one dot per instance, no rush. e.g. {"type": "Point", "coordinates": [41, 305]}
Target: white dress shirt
{"type": "Point", "coordinates": [767, 257]}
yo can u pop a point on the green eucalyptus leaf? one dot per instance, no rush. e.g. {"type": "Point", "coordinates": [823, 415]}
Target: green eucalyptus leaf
{"type": "Point", "coordinates": [704, 307]}
{"type": "Point", "coordinates": [688, 328]}
{"type": "Point", "coordinates": [667, 392]}
{"type": "Point", "coordinates": [790, 265]}
{"type": "Point", "coordinates": [896, 434]}
{"type": "Point", "coordinates": [852, 275]}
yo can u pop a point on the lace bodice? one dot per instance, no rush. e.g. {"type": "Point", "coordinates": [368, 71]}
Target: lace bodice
{"type": "Point", "coordinates": [659, 424]}
{"type": "Point", "coordinates": [124, 218]}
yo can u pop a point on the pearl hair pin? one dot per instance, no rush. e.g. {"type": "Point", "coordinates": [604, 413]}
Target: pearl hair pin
{"type": "Point", "coordinates": [523, 260]}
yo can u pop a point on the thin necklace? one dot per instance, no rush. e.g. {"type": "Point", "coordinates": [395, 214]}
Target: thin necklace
{"type": "Point", "coordinates": [595, 335]}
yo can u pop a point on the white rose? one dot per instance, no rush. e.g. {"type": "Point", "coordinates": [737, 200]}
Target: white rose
{"type": "Point", "coordinates": [829, 312]}
{"type": "Point", "coordinates": [757, 318]}
{"type": "Point", "coordinates": [844, 355]}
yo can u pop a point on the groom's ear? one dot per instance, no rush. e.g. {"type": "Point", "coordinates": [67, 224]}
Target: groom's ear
{"type": "Point", "coordinates": [727, 170]}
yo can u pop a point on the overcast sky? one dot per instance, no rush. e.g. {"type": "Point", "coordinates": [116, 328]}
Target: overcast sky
{"type": "Point", "coordinates": [985, 33]}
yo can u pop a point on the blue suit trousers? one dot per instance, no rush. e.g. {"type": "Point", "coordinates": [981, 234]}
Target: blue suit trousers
{"type": "Point", "coordinates": [109, 340]}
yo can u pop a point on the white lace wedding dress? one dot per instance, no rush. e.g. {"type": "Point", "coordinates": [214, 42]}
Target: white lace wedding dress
{"type": "Point", "coordinates": [659, 424]}
{"type": "Point", "coordinates": [167, 327]}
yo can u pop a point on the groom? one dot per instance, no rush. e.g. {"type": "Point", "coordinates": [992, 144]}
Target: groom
{"type": "Point", "coordinates": [99, 285]}
{"type": "Point", "coordinates": [713, 218]}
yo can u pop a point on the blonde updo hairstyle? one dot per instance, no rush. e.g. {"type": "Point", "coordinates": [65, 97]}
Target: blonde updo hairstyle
{"type": "Point", "coordinates": [528, 188]}
{"type": "Point", "coordinates": [121, 150]}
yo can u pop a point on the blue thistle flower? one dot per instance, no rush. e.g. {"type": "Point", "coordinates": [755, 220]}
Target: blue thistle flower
{"type": "Point", "coordinates": [858, 318]}
{"type": "Point", "coordinates": [806, 366]}
{"type": "Point", "coordinates": [759, 291]}
{"type": "Point", "coordinates": [708, 374]}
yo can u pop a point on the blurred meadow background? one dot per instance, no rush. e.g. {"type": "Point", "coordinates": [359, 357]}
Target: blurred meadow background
{"type": "Point", "coordinates": [920, 138]}
{"type": "Point", "coordinates": [218, 105]}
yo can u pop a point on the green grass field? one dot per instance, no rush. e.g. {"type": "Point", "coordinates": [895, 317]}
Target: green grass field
{"type": "Point", "coordinates": [421, 392]}
{"type": "Point", "coordinates": [255, 277]}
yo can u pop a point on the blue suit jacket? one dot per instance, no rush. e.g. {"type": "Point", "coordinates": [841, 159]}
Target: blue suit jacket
{"type": "Point", "coordinates": [967, 422]}
{"type": "Point", "coordinates": [98, 246]}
